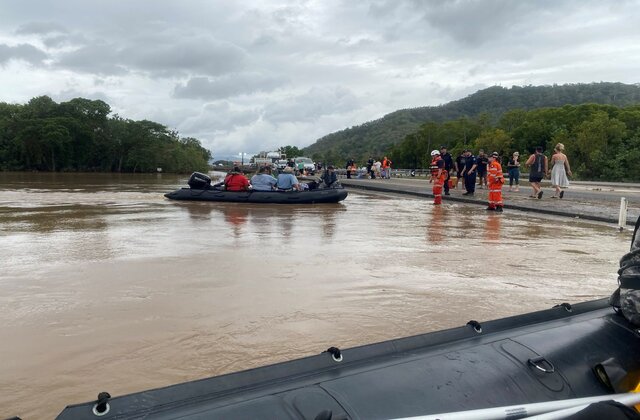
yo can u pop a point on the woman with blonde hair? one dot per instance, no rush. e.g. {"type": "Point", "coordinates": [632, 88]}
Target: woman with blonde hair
{"type": "Point", "coordinates": [560, 170]}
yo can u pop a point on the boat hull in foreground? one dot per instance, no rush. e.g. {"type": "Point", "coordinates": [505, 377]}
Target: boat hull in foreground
{"type": "Point", "coordinates": [326, 195]}
{"type": "Point", "coordinates": [542, 356]}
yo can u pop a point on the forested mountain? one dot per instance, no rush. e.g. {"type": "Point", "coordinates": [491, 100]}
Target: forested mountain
{"type": "Point", "coordinates": [79, 135]}
{"type": "Point", "coordinates": [376, 138]}
{"type": "Point", "coordinates": [602, 141]}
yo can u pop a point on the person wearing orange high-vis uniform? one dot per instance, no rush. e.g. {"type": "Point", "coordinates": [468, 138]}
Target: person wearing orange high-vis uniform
{"type": "Point", "coordinates": [496, 180]}
{"type": "Point", "coordinates": [438, 176]}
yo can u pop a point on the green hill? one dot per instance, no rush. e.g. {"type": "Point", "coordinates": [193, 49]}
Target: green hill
{"type": "Point", "coordinates": [376, 137]}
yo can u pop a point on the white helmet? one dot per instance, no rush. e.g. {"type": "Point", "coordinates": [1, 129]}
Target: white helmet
{"type": "Point", "coordinates": [435, 153]}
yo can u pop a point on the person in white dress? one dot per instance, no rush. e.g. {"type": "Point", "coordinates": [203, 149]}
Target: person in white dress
{"type": "Point", "coordinates": [560, 170]}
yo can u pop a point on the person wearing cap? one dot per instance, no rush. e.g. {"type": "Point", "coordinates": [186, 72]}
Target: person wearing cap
{"type": "Point", "coordinates": [287, 181]}
{"type": "Point", "coordinates": [438, 175]}
{"type": "Point", "coordinates": [448, 166]}
{"type": "Point", "coordinates": [469, 173]}
{"type": "Point", "coordinates": [329, 176]}
{"type": "Point", "coordinates": [495, 180]}
{"type": "Point", "coordinates": [513, 166]}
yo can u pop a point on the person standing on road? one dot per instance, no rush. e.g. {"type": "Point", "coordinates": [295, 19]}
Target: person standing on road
{"type": "Point", "coordinates": [349, 167]}
{"type": "Point", "coordinates": [448, 166]}
{"type": "Point", "coordinates": [560, 170]}
{"type": "Point", "coordinates": [513, 166]}
{"type": "Point", "coordinates": [370, 171]}
{"type": "Point", "coordinates": [482, 161]}
{"type": "Point", "coordinates": [438, 175]}
{"type": "Point", "coordinates": [496, 179]}
{"type": "Point", "coordinates": [469, 172]}
{"type": "Point", "coordinates": [538, 167]}
{"type": "Point", "coordinates": [459, 167]}
{"type": "Point", "coordinates": [376, 167]}
{"type": "Point", "coordinates": [386, 168]}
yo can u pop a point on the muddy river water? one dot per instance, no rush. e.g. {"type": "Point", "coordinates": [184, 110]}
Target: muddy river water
{"type": "Point", "coordinates": [105, 285]}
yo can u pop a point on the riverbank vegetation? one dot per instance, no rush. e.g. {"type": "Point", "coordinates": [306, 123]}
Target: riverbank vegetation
{"type": "Point", "coordinates": [483, 108]}
{"type": "Point", "coordinates": [79, 135]}
{"type": "Point", "coordinates": [602, 141]}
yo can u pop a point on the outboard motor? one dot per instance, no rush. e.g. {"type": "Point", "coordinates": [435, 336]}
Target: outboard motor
{"type": "Point", "coordinates": [199, 181]}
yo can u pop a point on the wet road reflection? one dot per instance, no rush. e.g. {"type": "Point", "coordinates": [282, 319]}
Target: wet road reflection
{"type": "Point", "coordinates": [107, 285]}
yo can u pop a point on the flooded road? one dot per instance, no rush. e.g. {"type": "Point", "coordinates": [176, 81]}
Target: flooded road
{"type": "Point", "coordinates": [105, 285]}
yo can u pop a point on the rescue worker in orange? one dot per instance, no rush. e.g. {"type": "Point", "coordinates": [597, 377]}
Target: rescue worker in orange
{"type": "Point", "coordinates": [496, 180]}
{"type": "Point", "coordinates": [438, 176]}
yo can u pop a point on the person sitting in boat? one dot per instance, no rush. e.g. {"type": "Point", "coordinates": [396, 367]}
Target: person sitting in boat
{"type": "Point", "coordinates": [236, 181]}
{"type": "Point", "coordinates": [287, 181]}
{"type": "Point", "coordinates": [329, 177]}
{"type": "Point", "coordinates": [263, 181]}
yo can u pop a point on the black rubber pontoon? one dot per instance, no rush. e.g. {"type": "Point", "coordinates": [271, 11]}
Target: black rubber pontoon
{"type": "Point", "coordinates": [200, 189]}
{"type": "Point", "coordinates": [541, 356]}
{"type": "Point", "coordinates": [325, 195]}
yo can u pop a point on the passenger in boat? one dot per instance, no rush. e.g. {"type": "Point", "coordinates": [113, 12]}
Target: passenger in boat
{"type": "Point", "coordinates": [236, 181]}
{"type": "Point", "coordinates": [287, 181]}
{"type": "Point", "coordinates": [263, 181]}
{"type": "Point", "coordinates": [329, 177]}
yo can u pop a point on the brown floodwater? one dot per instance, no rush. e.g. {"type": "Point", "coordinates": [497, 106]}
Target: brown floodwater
{"type": "Point", "coordinates": [105, 285]}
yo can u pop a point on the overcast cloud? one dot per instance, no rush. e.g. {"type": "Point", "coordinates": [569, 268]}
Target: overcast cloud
{"type": "Point", "coordinates": [250, 76]}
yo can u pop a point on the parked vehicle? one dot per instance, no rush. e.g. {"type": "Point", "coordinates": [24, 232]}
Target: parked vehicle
{"type": "Point", "coordinates": [306, 162]}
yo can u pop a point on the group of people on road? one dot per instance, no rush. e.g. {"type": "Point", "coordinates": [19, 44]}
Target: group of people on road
{"type": "Point", "coordinates": [267, 179]}
{"type": "Point", "coordinates": [487, 169]}
{"type": "Point", "coordinates": [375, 168]}
{"type": "Point", "coordinates": [468, 167]}
{"type": "Point", "coordinates": [539, 169]}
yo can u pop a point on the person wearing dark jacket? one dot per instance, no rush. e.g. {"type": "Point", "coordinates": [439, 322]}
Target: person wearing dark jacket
{"type": "Point", "coordinates": [448, 166]}
{"type": "Point", "coordinates": [329, 177]}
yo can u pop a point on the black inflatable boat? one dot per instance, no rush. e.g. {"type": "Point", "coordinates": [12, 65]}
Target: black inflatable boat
{"type": "Point", "coordinates": [561, 353]}
{"type": "Point", "coordinates": [200, 189]}
{"type": "Point", "coordinates": [327, 195]}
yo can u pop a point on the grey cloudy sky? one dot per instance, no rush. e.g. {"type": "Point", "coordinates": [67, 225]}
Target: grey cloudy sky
{"type": "Point", "coordinates": [244, 76]}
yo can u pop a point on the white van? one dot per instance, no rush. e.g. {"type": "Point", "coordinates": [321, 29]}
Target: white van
{"type": "Point", "coordinates": [307, 162]}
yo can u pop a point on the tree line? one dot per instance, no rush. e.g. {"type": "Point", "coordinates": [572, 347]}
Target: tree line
{"type": "Point", "coordinates": [79, 135]}
{"type": "Point", "coordinates": [377, 137]}
{"type": "Point", "coordinates": [602, 141]}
